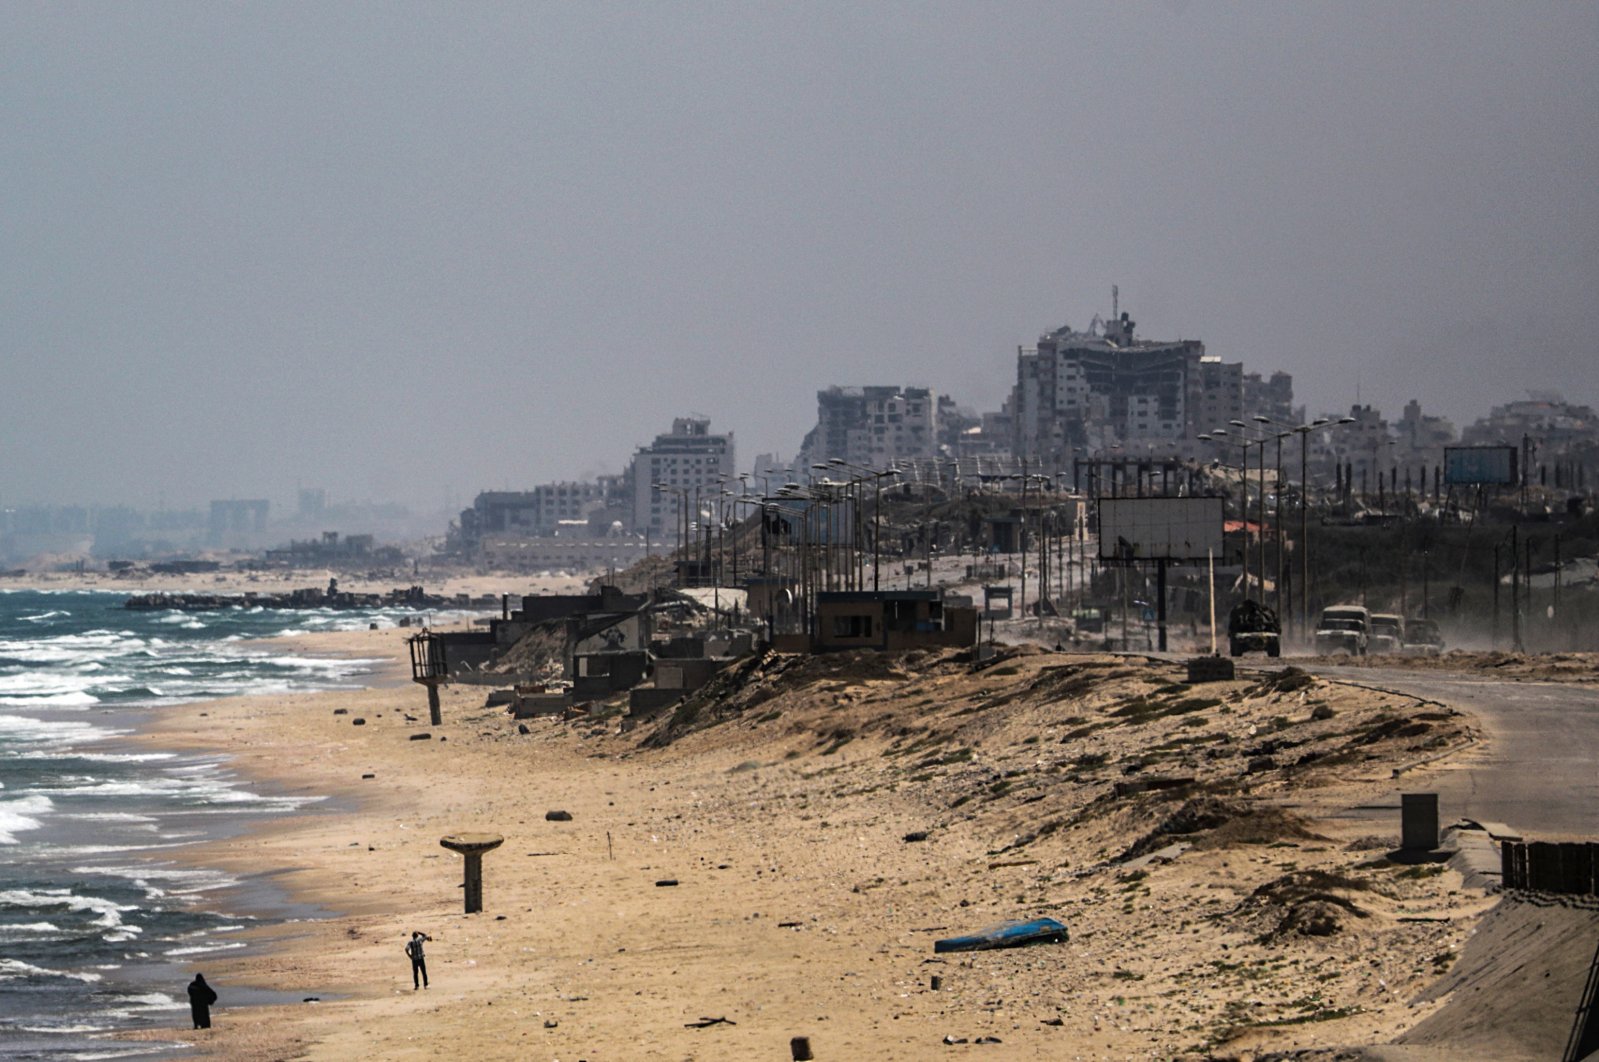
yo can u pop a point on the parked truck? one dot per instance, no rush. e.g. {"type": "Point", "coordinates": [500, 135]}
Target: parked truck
{"type": "Point", "coordinates": [1343, 629]}
{"type": "Point", "coordinates": [1253, 626]}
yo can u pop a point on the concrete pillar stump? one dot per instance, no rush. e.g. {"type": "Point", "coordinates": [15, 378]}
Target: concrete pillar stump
{"type": "Point", "coordinates": [473, 846]}
{"type": "Point", "coordinates": [1418, 821]}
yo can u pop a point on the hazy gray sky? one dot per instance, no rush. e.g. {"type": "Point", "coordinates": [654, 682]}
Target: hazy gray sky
{"type": "Point", "coordinates": [398, 249]}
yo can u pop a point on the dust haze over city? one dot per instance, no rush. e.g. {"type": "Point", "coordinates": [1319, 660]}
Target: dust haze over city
{"type": "Point", "coordinates": [407, 252]}
{"type": "Point", "coordinates": [1064, 526]}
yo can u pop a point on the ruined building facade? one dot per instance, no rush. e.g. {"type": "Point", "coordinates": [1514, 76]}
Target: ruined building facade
{"type": "Point", "coordinates": [690, 464]}
{"type": "Point", "coordinates": [1104, 390]}
{"type": "Point", "coordinates": [873, 427]}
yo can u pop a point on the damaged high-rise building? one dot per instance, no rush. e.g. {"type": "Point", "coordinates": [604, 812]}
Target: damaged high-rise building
{"type": "Point", "coordinates": [1104, 390]}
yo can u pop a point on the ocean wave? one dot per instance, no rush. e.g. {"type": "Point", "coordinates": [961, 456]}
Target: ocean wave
{"type": "Point", "coordinates": [99, 757]}
{"type": "Point", "coordinates": [69, 1030]}
{"type": "Point", "coordinates": [57, 700]}
{"type": "Point", "coordinates": [20, 815]}
{"type": "Point", "coordinates": [16, 970]}
{"type": "Point", "coordinates": [203, 949]}
{"type": "Point", "coordinates": [27, 728]}
{"type": "Point", "coordinates": [42, 683]}
{"type": "Point", "coordinates": [110, 911]}
{"type": "Point", "coordinates": [184, 882]}
{"type": "Point", "coordinates": [81, 850]}
{"type": "Point", "coordinates": [195, 784]}
{"type": "Point", "coordinates": [153, 1000]}
{"type": "Point", "coordinates": [138, 1051]}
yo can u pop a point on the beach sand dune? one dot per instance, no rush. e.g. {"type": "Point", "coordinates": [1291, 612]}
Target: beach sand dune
{"type": "Point", "coordinates": [821, 823]}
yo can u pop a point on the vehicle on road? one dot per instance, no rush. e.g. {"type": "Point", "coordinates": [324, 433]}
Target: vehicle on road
{"type": "Point", "coordinates": [1422, 638]}
{"type": "Point", "coordinates": [1091, 619]}
{"type": "Point", "coordinates": [1343, 629]}
{"type": "Point", "coordinates": [1387, 633]}
{"type": "Point", "coordinates": [1252, 626]}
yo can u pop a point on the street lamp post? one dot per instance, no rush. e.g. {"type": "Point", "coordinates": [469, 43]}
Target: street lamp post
{"type": "Point", "coordinates": [1303, 431]}
{"type": "Point", "coordinates": [1281, 434]}
{"type": "Point", "coordinates": [679, 524]}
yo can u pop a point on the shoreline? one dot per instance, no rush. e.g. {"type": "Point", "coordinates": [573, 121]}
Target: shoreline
{"type": "Point", "coordinates": [301, 908]}
{"type": "Point", "coordinates": [449, 584]}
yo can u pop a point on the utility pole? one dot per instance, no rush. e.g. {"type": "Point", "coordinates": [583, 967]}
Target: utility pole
{"type": "Point", "coordinates": [1282, 613]}
{"type": "Point", "coordinates": [1022, 535]}
{"type": "Point", "coordinates": [1261, 530]}
{"type": "Point", "coordinates": [1426, 586]}
{"type": "Point", "coordinates": [1496, 597]}
{"type": "Point", "coordinates": [1515, 589]}
{"type": "Point", "coordinates": [1526, 580]}
{"type": "Point", "coordinates": [1304, 532]}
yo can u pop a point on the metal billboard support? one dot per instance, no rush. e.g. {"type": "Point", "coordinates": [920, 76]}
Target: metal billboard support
{"type": "Point", "coordinates": [1162, 530]}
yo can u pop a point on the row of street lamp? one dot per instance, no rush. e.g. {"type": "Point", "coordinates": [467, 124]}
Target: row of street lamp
{"type": "Point", "coordinates": [828, 568]}
{"type": "Point", "coordinates": [1265, 434]}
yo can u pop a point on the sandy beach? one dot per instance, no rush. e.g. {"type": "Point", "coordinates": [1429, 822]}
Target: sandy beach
{"type": "Point", "coordinates": [835, 818]}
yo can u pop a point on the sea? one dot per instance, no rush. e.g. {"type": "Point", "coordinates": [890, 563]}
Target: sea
{"type": "Point", "coordinates": [102, 922]}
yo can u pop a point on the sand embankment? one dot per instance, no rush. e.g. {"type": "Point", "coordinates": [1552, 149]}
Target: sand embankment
{"type": "Point", "coordinates": [802, 909]}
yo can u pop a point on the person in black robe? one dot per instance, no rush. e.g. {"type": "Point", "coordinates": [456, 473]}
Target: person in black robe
{"type": "Point", "coordinates": [201, 996]}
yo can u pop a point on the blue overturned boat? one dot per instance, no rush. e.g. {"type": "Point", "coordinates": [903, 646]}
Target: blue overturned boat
{"type": "Point", "coordinates": [1006, 935]}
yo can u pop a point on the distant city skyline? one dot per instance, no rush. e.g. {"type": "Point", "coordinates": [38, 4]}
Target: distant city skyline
{"type": "Point", "coordinates": [408, 252]}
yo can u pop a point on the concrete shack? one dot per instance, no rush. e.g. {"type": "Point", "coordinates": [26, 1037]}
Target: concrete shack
{"type": "Point", "coordinates": [891, 620]}
{"type": "Point", "coordinates": [604, 673]}
{"type": "Point", "coordinates": [464, 651]}
{"type": "Point", "coordinates": [587, 610]}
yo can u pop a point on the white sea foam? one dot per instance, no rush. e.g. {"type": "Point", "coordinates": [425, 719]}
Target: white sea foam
{"type": "Point", "coordinates": [54, 700]}
{"type": "Point", "coordinates": [110, 911]}
{"type": "Point", "coordinates": [112, 816]}
{"type": "Point", "coordinates": [149, 999]}
{"type": "Point", "coordinates": [16, 970]}
{"type": "Point", "coordinates": [197, 784]}
{"type": "Point", "coordinates": [182, 881]}
{"type": "Point", "coordinates": [30, 927]}
{"type": "Point", "coordinates": [81, 850]}
{"type": "Point", "coordinates": [22, 814]}
{"type": "Point", "coordinates": [44, 683]}
{"type": "Point", "coordinates": [204, 949]}
{"type": "Point", "coordinates": [50, 731]}
{"type": "Point", "coordinates": [100, 757]}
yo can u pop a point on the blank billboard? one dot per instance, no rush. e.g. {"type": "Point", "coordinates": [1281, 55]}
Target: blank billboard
{"type": "Point", "coordinates": [1480, 465]}
{"type": "Point", "coordinates": [1160, 528]}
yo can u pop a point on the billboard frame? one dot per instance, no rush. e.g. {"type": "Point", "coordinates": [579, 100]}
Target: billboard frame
{"type": "Point", "coordinates": [1161, 529]}
{"type": "Point", "coordinates": [1467, 466]}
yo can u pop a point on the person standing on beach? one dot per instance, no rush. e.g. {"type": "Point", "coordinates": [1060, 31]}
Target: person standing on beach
{"type": "Point", "coordinates": [419, 965]}
{"type": "Point", "coordinates": [201, 996]}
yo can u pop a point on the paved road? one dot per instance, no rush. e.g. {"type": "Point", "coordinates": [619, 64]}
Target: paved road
{"type": "Point", "coordinates": [1539, 768]}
